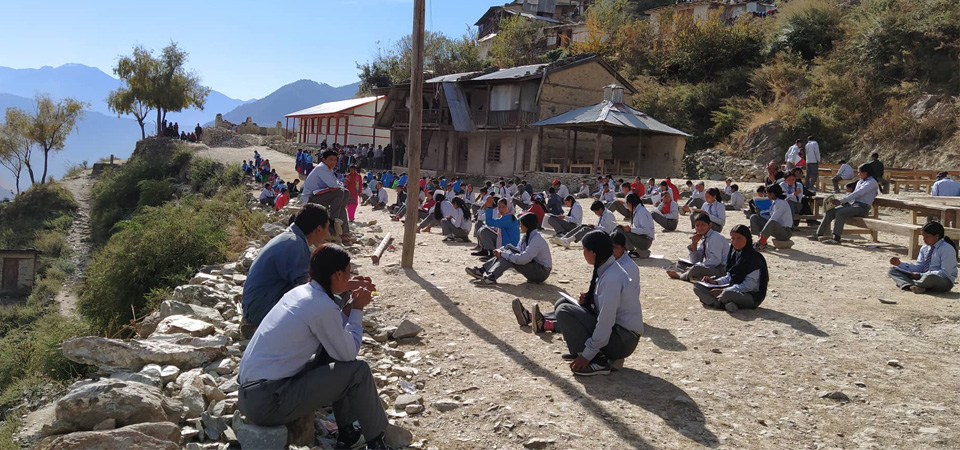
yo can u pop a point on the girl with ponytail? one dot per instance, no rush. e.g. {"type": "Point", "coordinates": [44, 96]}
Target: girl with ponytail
{"type": "Point", "coordinates": [936, 267]}
{"type": "Point", "coordinates": [532, 259]}
{"type": "Point", "coordinates": [604, 325]}
{"type": "Point", "coordinates": [457, 226]}
{"type": "Point", "coordinates": [443, 208]}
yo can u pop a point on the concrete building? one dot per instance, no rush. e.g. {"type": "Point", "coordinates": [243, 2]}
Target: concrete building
{"type": "Point", "coordinates": [18, 269]}
{"type": "Point", "coordinates": [561, 21]}
{"type": "Point", "coordinates": [346, 122]}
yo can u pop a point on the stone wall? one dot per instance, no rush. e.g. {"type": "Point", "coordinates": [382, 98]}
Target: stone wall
{"type": "Point", "coordinates": [716, 165]}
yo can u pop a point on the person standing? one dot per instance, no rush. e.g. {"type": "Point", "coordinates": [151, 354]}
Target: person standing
{"type": "Point", "coordinates": [812, 152]}
{"type": "Point", "coordinates": [354, 184]}
{"type": "Point", "coordinates": [877, 172]}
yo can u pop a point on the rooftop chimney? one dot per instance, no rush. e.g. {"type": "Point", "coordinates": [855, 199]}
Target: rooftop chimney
{"type": "Point", "coordinates": [613, 93]}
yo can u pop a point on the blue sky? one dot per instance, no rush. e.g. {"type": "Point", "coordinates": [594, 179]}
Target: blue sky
{"type": "Point", "coordinates": [244, 49]}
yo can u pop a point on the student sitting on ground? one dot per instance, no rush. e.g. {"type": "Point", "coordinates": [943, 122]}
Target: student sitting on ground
{"type": "Point", "coordinates": [522, 199]}
{"type": "Point", "coordinates": [267, 197]}
{"type": "Point", "coordinates": [639, 234]}
{"type": "Point", "coordinates": [401, 200]}
{"type": "Point", "coordinates": [713, 208]}
{"type": "Point", "coordinates": [620, 206]}
{"type": "Point", "coordinates": [566, 223]}
{"type": "Point", "coordinates": [584, 191]}
{"type": "Point", "coordinates": [604, 326]}
{"type": "Point", "coordinates": [696, 197]}
{"type": "Point", "coordinates": [532, 258]}
{"type": "Point", "coordinates": [666, 211]}
{"type": "Point", "coordinates": [469, 197]}
{"type": "Point", "coordinates": [759, 204]}
{"type": "Point", "coordinates": [282, 199]}
{"type": "Point", "coordinates": [607, 195]}
{"type": "Point", "coordinates": [561, 188]}
{"type": "Point", "coordinates": [554, 202]}
{"type": "Point", "coordinates": [606, 223]}
{"type": "Point", "coordinates": [745, 284]}
{"type": "Point", "coordinates": [283, 263]}
{"type": "Point", "coordinates": [537, 208]}
{"type": "Point", "coordinates": [652, 192]}
{"type": "Point", "coordinates": [936, 267]}
{"type": "Point", "coordinates": [778, 225]}
{"type": "Point", "coordinates": [485, 202]}
{"type": "Point", "coordinates": [856, 204]}
{"type": "Point", "coordinates": [735, 200]}
{"type": "Point", "coordinates": [498, 232]}
{"type": "Point", "coordinates": [727, 190]}
{"type": "Point", "coordinates": [423, 212]}
{"type": "Point", "coordinates": [303, 357]}
{"type": "Point", "coordinates": [708, 252]}
{"type": "Point", "coordinates": [365, 194]}
{"type": "Point", "coordinates": [442, 208]}
{"type": "Point", "coordinates": [689, 191]}
{"type": "Point", "coordinates": [457, 226]}
{"type": "Point", "coordinates": [382, 197]}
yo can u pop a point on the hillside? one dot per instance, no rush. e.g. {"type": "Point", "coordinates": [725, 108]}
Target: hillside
{"type": "Point", "coordinates": [292, 97]}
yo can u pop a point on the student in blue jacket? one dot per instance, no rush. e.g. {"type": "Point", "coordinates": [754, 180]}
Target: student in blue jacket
{"type": "Point", "coordinates": [500, 231]}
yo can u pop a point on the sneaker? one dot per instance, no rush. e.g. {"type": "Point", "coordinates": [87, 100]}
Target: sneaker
{"type": "Point", "coordinates": [731, 307]}
{"type": "Point", "coordinates": [565, 242]}
{"type": "Point", "coordinates": [537, 319]}
{"type": "Point", "coordinates": [450, 238]}
{"type": "Point", "coordinates": [556, 241]}
{"type": "Point", "coordinates": [487, 281]}
{"type": "Point", "coordinates": [523, 316]}
{"type": "Point", "coordinates": [831, 241]}
{"type": "Point", "coordinates": [480, 252]}
{"type": "Point", "coordinates": [350, 439]}
{"type": "Point", "coordinates": [593, 369]}
{"type": "Point", "coordinates": [378, 444]}
{"type": "Point", "coordinates": [759, 247]}
{"type": "Point", "coordinates": [474, 272]}
{"type": "Point", "coordinates": [568, 356]}
{"type": "Point", "coordinates": [917, 289]}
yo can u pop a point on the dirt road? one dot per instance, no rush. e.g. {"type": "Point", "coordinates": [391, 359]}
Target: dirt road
{"type": "Point", "coordinates": [78, 239]}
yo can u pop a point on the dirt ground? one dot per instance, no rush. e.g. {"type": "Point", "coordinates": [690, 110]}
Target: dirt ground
{"type": "Point", "coordinates": [754, 379]}
{"type": "Point", "coordinates": [78, 239]}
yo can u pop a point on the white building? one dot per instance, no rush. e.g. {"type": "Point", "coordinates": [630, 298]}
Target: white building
{"type": "Point", "coordinates": [346, 122]}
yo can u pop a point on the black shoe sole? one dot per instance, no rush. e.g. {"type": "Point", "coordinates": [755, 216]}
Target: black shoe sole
{"type": "Point", "coordinates": [521, 313]}
{"type": "Point", "coordinates": [537, 319]}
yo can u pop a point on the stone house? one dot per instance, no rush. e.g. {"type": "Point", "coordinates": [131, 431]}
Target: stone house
{"type": "Point", "coordinates": [18, 269]}
{"type": "Point", "coordinates": [480, 124]}
{"type": "Point", "coordinates": [561, 20]}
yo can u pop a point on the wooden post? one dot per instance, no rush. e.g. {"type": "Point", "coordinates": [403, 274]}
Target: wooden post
{"type": "Point", "coordinates": [596, 150]}
{"type": "Point", "coordinates": [416, 123]}
{"type": "Point", "coordinates": [575, 134]}
{"type": "Point", "coordinates": [378, 253]}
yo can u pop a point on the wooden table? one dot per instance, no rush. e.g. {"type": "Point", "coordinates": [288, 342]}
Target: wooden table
{"type": "Point", "coordinates": [581, 168]}
{"type": "Point", "coordinates": [555, 167]}
{"type": "Point", "coordinates": [948, 214]}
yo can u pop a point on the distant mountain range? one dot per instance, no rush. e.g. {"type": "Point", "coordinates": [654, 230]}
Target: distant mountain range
{"type": "Point", "coordinates": [101, 133]}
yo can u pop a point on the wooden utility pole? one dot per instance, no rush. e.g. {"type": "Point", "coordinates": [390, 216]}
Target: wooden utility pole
{"type": "Point", "coordinates": [416, 123]}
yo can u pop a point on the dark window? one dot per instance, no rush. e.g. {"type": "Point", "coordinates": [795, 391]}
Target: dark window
{"type": "Point", "coordinates": [493, 150]}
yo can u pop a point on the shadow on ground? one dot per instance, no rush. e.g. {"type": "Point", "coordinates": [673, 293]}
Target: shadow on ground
{"type": "Point", "coordinates": [801, 325]}
{"type": "Point", "coordinates": [649, 392]}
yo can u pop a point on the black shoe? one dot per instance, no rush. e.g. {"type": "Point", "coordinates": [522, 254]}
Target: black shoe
{"type": "Point", "coordinates": [481, 253]}
{"type": "Point", "coordinates": [378, 444]}
{"type": "Point", "coordinates": [593, 369]}
{"type": "Point", "coordinates": [538, 320]}
{"type": "Point", "coordinates": [568, 356]}
{"type": "Point", "coordinates": [523, 316]}
{"type": "Point", "coordinates": [475, 272]}
{"type": "Point", "coordinates": [350, 439]}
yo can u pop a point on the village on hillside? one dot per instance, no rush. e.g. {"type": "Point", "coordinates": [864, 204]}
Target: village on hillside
{"type": "Point", "coordinates": [583, 224]}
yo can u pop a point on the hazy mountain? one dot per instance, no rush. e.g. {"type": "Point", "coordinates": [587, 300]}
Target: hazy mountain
{"type": "Point", "coordinates": [290, 98]}
{"type": "Point", "coordinates": [96, 136]}
{"type": "Point", "coordinates": [92, 85]}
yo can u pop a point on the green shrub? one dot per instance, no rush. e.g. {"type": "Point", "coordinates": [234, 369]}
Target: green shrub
{"type": "Point", "coordinates": [155, 192]}
{"type": "Point", "coordinates": [810, 32]}
{"type": "Point", "coordinates": [42, 207]}
{"type": "Point", "coordinates": [14, 316]}
{"type": "Point", "coordinates": [34, 351]}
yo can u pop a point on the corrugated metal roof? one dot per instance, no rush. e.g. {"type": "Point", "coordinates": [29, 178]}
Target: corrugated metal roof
{"type": "Point", "coordinates": [450, 78]}
{"type": "Point", "coordinates": [512, 73]}
{"type": "Point", "coordinates": [459, 111]}
{"type": "Point", "coordinates": [335, 107]}
{"type": "Point", "coordinates": [610, 114]}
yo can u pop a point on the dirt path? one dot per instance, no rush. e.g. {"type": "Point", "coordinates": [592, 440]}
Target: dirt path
{"type": "Point", "coordinates": [700, 378]}
{"type": "Point", "coordinates": [283, 163]}
{"type": "Point", "coordinates": [78, 239]}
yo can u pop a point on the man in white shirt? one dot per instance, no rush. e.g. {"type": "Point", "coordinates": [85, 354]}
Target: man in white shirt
{"type": "Point", "coordinates": [844, 173]}
{"type": "Point", "coordinates": [945, 186]}
{"type": "Point", "coordinates": [793, 154]}
{"type": "Point", "coordinates": [322, 187]}
{"type": "Point", "coordinates": [562, 190]}
{"type": "Point", "coordinates": [267, 196]}
{"type": "Point", "coordinates": [812, 153]}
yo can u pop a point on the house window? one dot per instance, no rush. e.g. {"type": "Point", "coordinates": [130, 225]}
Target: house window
{"type": "Point", "coordinates": [493, 150]}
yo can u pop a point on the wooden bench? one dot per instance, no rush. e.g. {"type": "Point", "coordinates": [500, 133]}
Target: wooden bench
{"type": "Point", "coordinates": [874, 226]}
{"type": "Point", "coordinates": [911, 184]}
{"type": "Point", "coordinates": [827, 183]}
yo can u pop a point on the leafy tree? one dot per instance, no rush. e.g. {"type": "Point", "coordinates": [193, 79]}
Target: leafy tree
{"type": "Point", "coordinates": [136, 72]}
{"type": "Point", "coordinates": [810, 32]}
{"type": "Point", "coordinates": [50, 125]}
{"type": "Point", "coordinates": [518, 43]}
{"type": "Point", "coordinates": [441, 56]}
{"type": "Point", "coordinates": [697, 50]}
{"type": "Point", "coordinates": [623, 39]}
{"type": "Point", "coordinates": [15, 148]}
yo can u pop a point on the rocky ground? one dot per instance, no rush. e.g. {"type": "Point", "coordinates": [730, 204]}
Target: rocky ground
{"type": "Point", "coordinates": [836, 357]}
{"type": "Point", "coordinates": [78, 239]}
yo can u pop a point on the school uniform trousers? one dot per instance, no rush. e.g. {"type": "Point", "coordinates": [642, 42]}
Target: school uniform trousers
{"type": "Point", "coordinates": [487, 237]}
{"type": "Point", "coordinates": [579, 232]}
{"type": "Point", "coordinates": [621, 208]}
{"type": "Point", "coordinates": [533, 271]}
{"type": "Point", "coordinates": [622, 342]}
{"type": "Point", "coordinates": [706, 297]}
{"type": "Point", "coordinates": [561, 226]}
{"type": "Point", "coordinates": [336, 202]}
{"type": "Point", "coordinates": [667, 224]}
{"type": "Point", "coordinates": [930, 282]}
{"type": "Point", "coordinates": [769, 228]}
{"type": "Point", "coordinates": [635, 241]}
{"type": "Point", "coordinates": [839, 215]}
{"type": "Point", "coordinates": [448, 228]}
{"type": "Point", "coordinates": [695, 271]}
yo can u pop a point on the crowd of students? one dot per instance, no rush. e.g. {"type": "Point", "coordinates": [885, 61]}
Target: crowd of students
{"type": "Point", "coordinates": [303, 310]}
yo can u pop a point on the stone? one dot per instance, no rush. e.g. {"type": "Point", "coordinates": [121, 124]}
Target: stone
{"type": "Point", "coordinates": [171, 308]}
{"type": "Point", "coordinates": [396, 437]}
{"type": "Point", "coordinates": [894, 363]}
{"type": "Point", "coordinates": [213, 427]}
{"type": "Point", "coordinates": [213, 394]}
{"type": "Point", "coordinates": [186, 325]}
{"type": "Point", "coordinates": [201, 277]}
{"type": "Point", "coordinates": [223, 407]}
{"type": "Point", "coordinates": [186, 339]}
{"type": "Point", "coordinates": [158, 436]}
{"type": "Point", "coordinates": [404, 400]}
{"type": "Point", "coordinates": [413, 409]}
{"type": "Point", "coordinates": [261, 438]}
{"type": "Point", "coordinates": [838, 396]}
{"type": "Point", "coordinates": [149, 324]}
{"type": "Point", "coordinates": [137, 378]}
{"type": "Point", "coordinates": [538, 443]}
{"type": "Point", "coordinates": [445, 405]}
{"type": "Point", "coordinates": [229, 386]}
{"type": "Point", "coordinates": [223, 366]}
{"type": "Point", "coordinates": [187, 433]}
{"type": "Point", "coordinates": [407, 329]}
{"type": "Point", "coordinates": [191, 393]}
{"type": "Point", "coordinates": [169, 373]}
{"type": "Point", "coordinates": [199, 295]}
{"type": "Point", "coordinates": [134, 354]}
{"type": "Point", "coordinates": [89, 403]}
{"type": "Point", "coordinates": [108, 424]}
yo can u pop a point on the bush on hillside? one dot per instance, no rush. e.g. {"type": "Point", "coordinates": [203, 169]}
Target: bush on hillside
{"type": "Point", "coordinates": [810, 32]}
{"type": "Point", "coordinates": [208, 176]}
{"type": "Point", "coordinates": [697, 51]}
{"type": "Point", "coordinates": [155, 192]}
{"type": "Point", "coordinates": [33, 351]}
{"type": "Point", "coordinates": [47, 207]}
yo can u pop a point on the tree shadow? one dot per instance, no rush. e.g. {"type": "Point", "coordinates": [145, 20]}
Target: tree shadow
{"type": "Point", "coordinates": [655, 395]}
{"type": "Point", "coordinates": [793, 254]}
{"type": "Point", "coordinates": [945, 295]}
{"type": "Point", "coordinates": [801, 325]}
{"type": "Point", "coordinates": [663, 338]}
{"type": "Point", "coordinates": [625, 431]}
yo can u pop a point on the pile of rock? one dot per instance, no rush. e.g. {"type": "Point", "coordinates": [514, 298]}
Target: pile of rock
{"type": "Point", "coordinates": [716, 165]}
{"type": "Point", "coordinates": [176, 385]}
{"type": "Point", "coordinates": [219, 137]}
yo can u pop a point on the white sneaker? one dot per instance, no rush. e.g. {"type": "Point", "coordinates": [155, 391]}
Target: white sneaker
{"type": "Point", "coordinates": [565, 242]}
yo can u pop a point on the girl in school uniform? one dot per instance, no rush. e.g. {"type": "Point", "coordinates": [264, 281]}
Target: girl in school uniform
{"type": "Point", "coordinates": [666, 211]}
{"type": "Point", "coordinates": [708, 253]}
{"type": "Point", "coordinates": [532, 258]}
{"type": "Point", "coordinates": [567, 223]}
{"type": "Point", "coordinates": [537, 208]}
{"type": "Point", "coordinates": [500, 231]}
{"type": "Point", "coordinates": [936, 267]}
{"type": "Point", "coordinates": [442, 208]}
{"type": "Point", "coordinates": [778, 226]}
{"type": "Point", "coordinates": [744, 286]}
{"type": "Point", "coordinates": [604, 326]}
{"type": "Point", "coordinates": [457, 226]}
{"type": "Point", "coordinates": [639, 234]}
{"type": "Point", "coordinates": [606, 222]}
{"type": "Point", "coordinates": [713, 209]}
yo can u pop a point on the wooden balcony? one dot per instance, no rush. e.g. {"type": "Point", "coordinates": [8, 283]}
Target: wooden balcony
{"type": "Point", "coordinates": [432, 118]}
{"type": "Point", "coordinates": [503, 119]}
